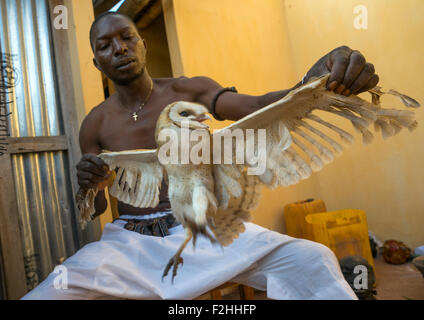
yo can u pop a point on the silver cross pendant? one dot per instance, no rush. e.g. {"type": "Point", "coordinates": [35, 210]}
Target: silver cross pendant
{"type": "Point", "coordinates": [135, 116]}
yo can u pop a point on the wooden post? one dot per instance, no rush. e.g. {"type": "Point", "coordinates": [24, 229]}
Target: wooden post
{"type": "Point", "coordinates": [71, 101]}
{"type": "Point", "coordinates": [10, 230]}
{"type": "Point", "coordinates": [246, 293]}
{"type": "Point", "coordinates": [172, 35]}
{"type": "Point", "coordinates": [216, 294]}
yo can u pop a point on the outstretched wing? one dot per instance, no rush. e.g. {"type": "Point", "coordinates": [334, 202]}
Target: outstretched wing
{"type": "Point", "coordinates": [137, 183]}
{"type": "Point", "coordinates": [296, 144]}
{"type": "Point", "coordinates": [138, 178]}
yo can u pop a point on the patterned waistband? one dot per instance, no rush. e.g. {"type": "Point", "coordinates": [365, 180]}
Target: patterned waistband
{"type": "Point", "coordinates": [145, 216]}
{"type": "Point", "coordinates": [154, 226]}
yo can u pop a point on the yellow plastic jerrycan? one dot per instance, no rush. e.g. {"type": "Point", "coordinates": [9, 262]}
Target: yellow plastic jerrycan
{"type": "Point", "coordinates": [345, 232]}
{"type": "Point", "coordinates": [295, 214]}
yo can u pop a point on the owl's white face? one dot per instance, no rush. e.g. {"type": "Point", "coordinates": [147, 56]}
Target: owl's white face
{"type": "Point", "coordinates": [192, 113]}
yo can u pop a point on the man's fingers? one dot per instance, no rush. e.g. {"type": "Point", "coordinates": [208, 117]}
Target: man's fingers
{"type": "Point", "coordinates": [339, 61]}
{"type": "Point", "coordinates": [83, 175]}
{"type": "Point", "coordinates": [357, 63]}
{"type": "Point", "coordinates": [87, 166]}
{"type": "Point", "coordinates": [349, 72]}
{"type": "Point", "coordinates": [365, 76]}
{"type": "Point", "coordinates": [92, 163]}
{"type": "Point", "coordinates": [93, 179]}
{"type": "Point", "coordinates": [91, 170]}
{"type": "Point", "coordinates": [94, 159]}
{"type": "Point", "coordinates": [371, 83]}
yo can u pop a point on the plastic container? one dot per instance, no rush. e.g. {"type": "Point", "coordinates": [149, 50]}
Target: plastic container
{"type": "Point", "coordinates": [345, 232]}
{"type": "Point", "coordinates": [295, 214]}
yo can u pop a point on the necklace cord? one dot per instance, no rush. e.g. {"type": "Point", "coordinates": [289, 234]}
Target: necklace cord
{"type": "Point", "coordinates": [135, 113]}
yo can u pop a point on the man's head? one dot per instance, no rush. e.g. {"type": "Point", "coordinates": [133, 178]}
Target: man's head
{"type": "Point", "coordinates": [119, 51]}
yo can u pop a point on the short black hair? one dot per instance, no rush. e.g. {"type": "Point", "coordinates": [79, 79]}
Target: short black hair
{"type": "Point", "coordinates": [101, 16]}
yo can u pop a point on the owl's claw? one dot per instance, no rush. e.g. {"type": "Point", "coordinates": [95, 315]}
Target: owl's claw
{"type": "Point", "coordinates": [173, 262]}
{"type": "Point", "coordinates": [176, 259]}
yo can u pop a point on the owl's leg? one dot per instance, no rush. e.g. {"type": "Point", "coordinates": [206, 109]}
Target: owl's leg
{"type": "Point", "coordinates": [176, 259]}
{"type": "Point", "coordinates": [203, 231]}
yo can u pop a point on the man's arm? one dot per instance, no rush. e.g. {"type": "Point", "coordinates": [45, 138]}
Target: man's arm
{"type": "Point", "coordinates": [91, 170]}
{"type": "Point", "coordinates": [350, 73]}
{"type": "Point", "coordinates": [230, 105]}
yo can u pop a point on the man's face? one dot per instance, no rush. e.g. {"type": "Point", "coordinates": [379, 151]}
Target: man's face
{"type": "Point", "coordinates": [118, 49]}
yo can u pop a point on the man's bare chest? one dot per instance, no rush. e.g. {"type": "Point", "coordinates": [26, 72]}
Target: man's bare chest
{"type": "Point", "coordinates": [119, 131]}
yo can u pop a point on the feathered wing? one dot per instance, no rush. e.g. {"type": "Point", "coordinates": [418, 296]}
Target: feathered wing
{"type": "Point", "coordinates": [138, 180]}
{"type": "Point", "coordinates": [296, 145]}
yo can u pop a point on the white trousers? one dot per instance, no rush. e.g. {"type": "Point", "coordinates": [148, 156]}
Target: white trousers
{"type": "Point", "coordinates": [125, 264]}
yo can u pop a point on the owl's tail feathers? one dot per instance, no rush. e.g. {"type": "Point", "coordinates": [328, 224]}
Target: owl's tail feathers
{"type": "Point", "coordinates": [229, 225]}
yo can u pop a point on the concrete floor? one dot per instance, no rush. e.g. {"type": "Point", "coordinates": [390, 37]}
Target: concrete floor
{"type": "Point", "coordinates": [394, 282]}
{"type": "Point", "coordinates": [398, 282]}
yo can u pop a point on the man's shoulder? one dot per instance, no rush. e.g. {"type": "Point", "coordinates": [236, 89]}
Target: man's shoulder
{"type": "Point", "coordinates": [96, 115]}
{"type": "Point", "coordinates": [196, 84]}
{"type": "Point", "coordinates": [102, 108]}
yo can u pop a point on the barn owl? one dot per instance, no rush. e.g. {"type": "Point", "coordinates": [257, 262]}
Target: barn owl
{"type": "Point", "coordinates": [214, 199]}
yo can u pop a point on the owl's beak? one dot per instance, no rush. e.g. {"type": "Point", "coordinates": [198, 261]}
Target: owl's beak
{"type": "Point", "coordinates": [202, 117]}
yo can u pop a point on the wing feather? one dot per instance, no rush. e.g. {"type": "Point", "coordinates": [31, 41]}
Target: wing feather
{"type": "Point", "coordinates": [137, 171]}
{"type": "Point", "coordinates": [288, 123]}
{"type": "Point", "coordinates": [138, 180]}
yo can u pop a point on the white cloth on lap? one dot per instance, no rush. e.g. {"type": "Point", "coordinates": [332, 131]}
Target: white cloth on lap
{"type": "Point", "coordinates": [126, 264]}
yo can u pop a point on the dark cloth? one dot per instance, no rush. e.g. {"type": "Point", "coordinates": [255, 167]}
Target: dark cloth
{"type": "Point", "coordinates": [158, 227]}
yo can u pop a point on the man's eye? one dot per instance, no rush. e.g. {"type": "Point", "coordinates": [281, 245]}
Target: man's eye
{"type": "Point", "coordinates": [104, 46]}
{"type": "Point", "coordinates": [184, 114]}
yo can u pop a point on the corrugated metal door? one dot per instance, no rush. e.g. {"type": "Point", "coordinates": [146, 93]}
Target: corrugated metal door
{"type": "Point", "coordinates": [44, 195]}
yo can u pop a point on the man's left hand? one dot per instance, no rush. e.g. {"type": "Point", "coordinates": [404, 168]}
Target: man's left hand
{"type": "Point", "coordinates": [350, 73]}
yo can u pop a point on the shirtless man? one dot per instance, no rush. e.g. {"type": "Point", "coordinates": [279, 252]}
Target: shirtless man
{"type": "Point", "coordinates": [120, 53]}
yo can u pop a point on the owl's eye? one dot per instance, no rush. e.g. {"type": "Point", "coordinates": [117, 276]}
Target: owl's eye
{"type": "Point", "coordinates": [184, 114]}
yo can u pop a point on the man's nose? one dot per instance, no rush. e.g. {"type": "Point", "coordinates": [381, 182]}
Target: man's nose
{"type": "Point", "coordinates": [119, 47]}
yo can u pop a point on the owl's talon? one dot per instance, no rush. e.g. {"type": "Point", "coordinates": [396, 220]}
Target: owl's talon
{"type": "Point", "coordinates": [173, 262]}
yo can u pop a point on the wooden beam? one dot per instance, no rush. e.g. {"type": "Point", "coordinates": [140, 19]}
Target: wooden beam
{"type": "Point", "coordinates": [101, 6]}
{"type": "Point", "coordinates": [153, 11]}
{"type": "Point", "coordinates": [69, 86]}
{"type": "Point", "coordinates": [216, 294]}
{"type": "Point", "coordinates": [172, 35]}
{"type": "Point", "coordinates": [2, 279]}
{"type": "Point", "coordinates": [10, 231]}
{"type": "Point", "coordinates": [36, 144]}
{"type": "Point", "coordinates": [132, 8]}
{"type": "Point", "coordinates": [246, 293]}
{"type": "Point", "coordinates": [143, 12]}
{"type": "Point", "coordinates": [62, 40]}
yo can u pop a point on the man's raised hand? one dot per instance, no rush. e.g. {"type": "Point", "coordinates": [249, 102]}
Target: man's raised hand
{"type": "Point", "coordinates": [350, 73]}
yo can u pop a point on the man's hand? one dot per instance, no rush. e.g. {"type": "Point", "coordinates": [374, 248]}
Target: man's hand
{"type": "Point", "coordinates": [91, 170]}
{"type": "Point", "coordinates": [350, 73]}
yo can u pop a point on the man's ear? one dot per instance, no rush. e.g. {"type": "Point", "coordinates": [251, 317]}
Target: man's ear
{"type": "Point", "coordinates": [144, 42]}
